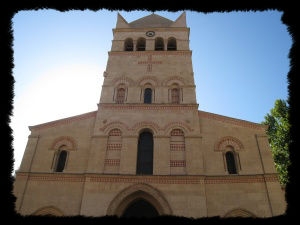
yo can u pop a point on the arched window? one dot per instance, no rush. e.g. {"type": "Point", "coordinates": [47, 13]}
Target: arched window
{"type": "Point", "coordinates": [128, 44]}
{"type": "Point", "coordinates": [159, 44]}
{"type": "Point", "coordinates": [175, 96]}
{"type": "Point", "coordinates": [172, 46]}
{"type": "Point", "coordinates": [148, 96]}
{"type": "Point", "coordinates": [61, 160]}
{"type": "Point", "coordinates": [141, 44]}
{"type": "Point", "coordinates": [230, 162]}
{"type": "Point", "coordinates": [120, 98]}
{"type": "Point", "coordinates": [145, 154]}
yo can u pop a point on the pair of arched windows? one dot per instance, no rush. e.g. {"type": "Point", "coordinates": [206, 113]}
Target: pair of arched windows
{"type": "Point", "coordinates": [175, 95]}
{"type": "Point", "coordinates": [159, 44]}
{"type": "Point", "coordinates": [120, 95]}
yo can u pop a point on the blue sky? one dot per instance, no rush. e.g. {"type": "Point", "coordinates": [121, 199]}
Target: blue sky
{"type": "Point", "coordinates": [240, 62]}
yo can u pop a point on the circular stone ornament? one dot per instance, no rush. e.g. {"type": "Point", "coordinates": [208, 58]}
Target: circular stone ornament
{"type": "Point", "coordinates": [150, 33]}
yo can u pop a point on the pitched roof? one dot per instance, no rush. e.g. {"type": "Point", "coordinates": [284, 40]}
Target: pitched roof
{"type": "Point", "coordinates": [153, 20]}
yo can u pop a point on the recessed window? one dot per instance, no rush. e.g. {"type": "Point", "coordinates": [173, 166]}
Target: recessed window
{"type": "Point", "coordinates": [61, 161]}
{"type": "Point", "coordinates": [145, 154]}
{"type": "Point", "coordinates": [141, 44]}
{"type": "Point", "coordinates": [128, 44]}
{"type": "Point", "coordinates": [175, 95]}
{"type": "Point", "coordinates": [172, 46]}
{"type": "Point", "coordinates": [120, 98]}
{"type": "Point", "coordinates": [159, 44]}
{"type": "Point", "coordinates": [148, 96]}
{"type": "Point", "coordinates": [230, 162]}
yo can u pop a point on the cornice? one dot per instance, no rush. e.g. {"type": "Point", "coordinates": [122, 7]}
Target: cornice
{"type": "Point", "coordinates": [63, 121]}
{"type": "Point", "coordinates": [157, 179]}
{"type": "Point", "coordinates": [230, 120]}
{"type": "Point", "coordinates": [145, 53]}
{"type": "Point", "coordinates": [147, 107]}
{"type": "Point", "coordinates": [144, 29]}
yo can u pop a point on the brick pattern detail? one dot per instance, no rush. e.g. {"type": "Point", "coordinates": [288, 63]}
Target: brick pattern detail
{"type": "Point", "coordinates": [177, 163]}
{"type": "Point", "coordinates": [112, 162]}
{"type": "Point", "coordinates": [67, 141]}
{"type": "Point", "coordinates": [142, 107]}
{"type": "Point", "coordinates": [113, 151]}
{"type": "Point", "coordinates": [177, 152]}
{"type": "Point", "coordinates": [114, 147]}
{"type": "Point", "coordinates": [177, 132]}
{"type": "Point", "coordinates": [115, 132]}
{"type": "Point", "coordinates": [227, 179]}
{"type": "Point", "coordinates": [177, 147]}
{"type": "Point", "coordinates": [228, 140]}
{"type": "Point", "coordinates": [112, 125]}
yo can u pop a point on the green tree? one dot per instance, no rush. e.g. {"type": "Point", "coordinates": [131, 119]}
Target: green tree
{"type": "Point", "coordinates": [278, 135]}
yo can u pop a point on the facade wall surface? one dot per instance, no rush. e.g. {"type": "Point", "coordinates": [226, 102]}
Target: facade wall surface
{"type": "Point", "coordinates": [192, 172]}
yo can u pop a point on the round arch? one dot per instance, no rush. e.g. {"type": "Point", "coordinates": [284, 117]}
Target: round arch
{"type": "Point", "coordinates": [228, 140]}
{"type": "Point", "coordinates": [177, 125]}
{"type": "Point", "coordinates": [139, 192]}
{"type": "Point", "coordinates": [239, 213]}
{"type": "Point", "coordinates": [148, 79]}
{"type": "Point", "coordinates": [146, 125]}
{"type": "Point", "coordinates": [48, 210]}
{"type": "Point", "coordinates": [66, 141]}
{"type": "Point", "coordinates": [115, 125]}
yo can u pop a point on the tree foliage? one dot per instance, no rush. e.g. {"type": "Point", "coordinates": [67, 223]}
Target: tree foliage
{"type": "Point", "coordinates": [278, 134]}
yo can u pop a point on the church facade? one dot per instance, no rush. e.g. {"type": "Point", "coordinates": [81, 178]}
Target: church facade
{"type": "Point", "coordinates": [147, 149]}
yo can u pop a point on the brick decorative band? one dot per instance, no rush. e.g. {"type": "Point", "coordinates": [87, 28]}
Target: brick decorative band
{"type": "Point", "coordinates": [112, 162]}
{"type": "Point", "coordinates": [158, 179]}
{"type": "Point", "coordinates": [114, 147]}
{"type": "Point", "coordinates": [177, 147]}
{"type": "Point", "coordinates": [177, 163]}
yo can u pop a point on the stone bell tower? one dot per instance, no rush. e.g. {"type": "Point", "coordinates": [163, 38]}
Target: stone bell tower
{"type": "Point", "coordinates": [147, 150]}
{"type": "Point", "coordinates": [149, 93]}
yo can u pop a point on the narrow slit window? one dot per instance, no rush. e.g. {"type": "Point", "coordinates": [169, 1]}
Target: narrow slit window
{"type": "Point", "coordinates": [61, 161]}
{"type": "Point", "coordinates": [175, 97]}
{"type": "Point", "coordinates": [148, 96]}
{"type": "Point", "coordinates": [230, 161]}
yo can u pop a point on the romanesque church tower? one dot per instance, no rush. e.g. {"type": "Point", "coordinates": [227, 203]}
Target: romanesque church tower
{"type": "Point", "coordinates": [147, 149]}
